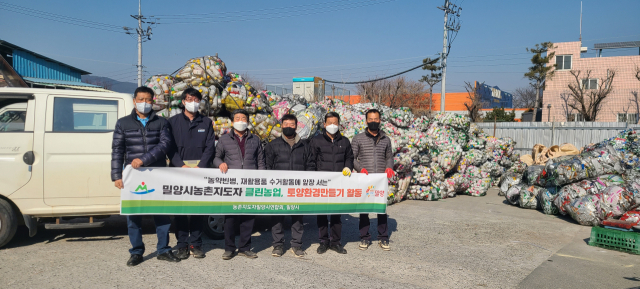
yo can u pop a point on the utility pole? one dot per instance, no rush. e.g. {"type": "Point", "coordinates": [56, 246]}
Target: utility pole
{"type": "Point", "coordinates": [450, 24]}
{"type": "Point", "coordinates": [143, 36]}
{"type": "Point", "coordinates": [139, 43]}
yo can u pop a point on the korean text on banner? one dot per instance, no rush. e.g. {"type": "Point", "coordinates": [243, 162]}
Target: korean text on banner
{"type": "Point", "coordinates": [177, 191]}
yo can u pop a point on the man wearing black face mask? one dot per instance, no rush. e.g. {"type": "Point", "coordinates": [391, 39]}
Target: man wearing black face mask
{"type": "Point", "coordinates": [288, 153]}
{"type": "Point", "coordinates": [372, 153]}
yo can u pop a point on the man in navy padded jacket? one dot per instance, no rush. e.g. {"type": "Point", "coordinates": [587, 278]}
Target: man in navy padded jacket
{"type": "Point", "coordinates": [142, 139]}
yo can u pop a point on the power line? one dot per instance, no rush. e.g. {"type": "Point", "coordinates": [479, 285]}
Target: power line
{"type": "Point", "coordinates": [248, 18]}
{"type": "Point", "coordinates": [93, 26]}
{"type": "Point", "coordinates": [59, 16]}
{"type": "Point", "coordinates": [217, 14]}
{"type": "Point", "coordinates": [373, 80]}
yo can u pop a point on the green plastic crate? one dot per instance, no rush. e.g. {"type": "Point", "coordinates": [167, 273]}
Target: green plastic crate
{"type": "Point", "coordinates": [615, 240]}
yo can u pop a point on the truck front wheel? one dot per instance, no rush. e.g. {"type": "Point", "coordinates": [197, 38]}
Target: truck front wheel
{"type": "Point", "coordinates": [8, 222]}
{"type": "Point", "coordinates": [214, 227]}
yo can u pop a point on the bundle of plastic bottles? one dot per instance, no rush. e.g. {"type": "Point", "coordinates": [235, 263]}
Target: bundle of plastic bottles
{"type": "Point", "coordinates": [599, 184]}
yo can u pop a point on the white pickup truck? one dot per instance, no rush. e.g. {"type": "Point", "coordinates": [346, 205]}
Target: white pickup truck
{"type": "Point", "coordinates": [55, 159]}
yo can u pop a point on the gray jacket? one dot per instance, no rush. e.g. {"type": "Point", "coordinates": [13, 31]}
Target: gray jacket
{"type": "Point", "coordinates": [372, 153]}
{"type": "Point", "coordinates": [228, 151]}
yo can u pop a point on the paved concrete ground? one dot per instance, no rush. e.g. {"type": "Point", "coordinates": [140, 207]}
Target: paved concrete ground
{"type": "Point", "coordinates": [455, 243]}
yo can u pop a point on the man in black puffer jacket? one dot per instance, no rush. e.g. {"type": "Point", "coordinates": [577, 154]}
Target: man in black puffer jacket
{"type": "Point", "coordinates": [288, 153]}
{"type": "Point", "coordinates": [331, 152]}
{"type": "Point", "coordinates": [142, 139]}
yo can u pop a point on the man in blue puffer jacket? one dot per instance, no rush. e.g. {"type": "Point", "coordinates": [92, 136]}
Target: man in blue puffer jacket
{"type": "Point", "coordinates": [142, 139]}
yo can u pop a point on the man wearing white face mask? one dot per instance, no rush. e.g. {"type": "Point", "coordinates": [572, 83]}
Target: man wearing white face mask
{"type": "Point", "coordinates": [239, 150]}
{"type": "Point", "coordinates": [331, 152]}
{"type": "Point", "coordinates": [195, 147]}
{"type": "Point", "coordinates": [142, 139]}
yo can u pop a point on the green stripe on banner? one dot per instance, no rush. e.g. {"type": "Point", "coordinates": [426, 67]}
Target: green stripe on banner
{"type": "Point", "coordinates": [219, 208]}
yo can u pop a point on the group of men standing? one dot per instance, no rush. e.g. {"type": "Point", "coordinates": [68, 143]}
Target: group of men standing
{"type": "Point", "coordinates": [143, 139]}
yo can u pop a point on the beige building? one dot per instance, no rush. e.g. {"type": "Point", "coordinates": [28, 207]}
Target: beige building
{"type": "Point", "coordinates": [618, 106]}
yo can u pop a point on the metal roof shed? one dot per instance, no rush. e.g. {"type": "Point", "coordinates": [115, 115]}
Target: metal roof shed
{"type": "Point", "coordinates": [40, 71]}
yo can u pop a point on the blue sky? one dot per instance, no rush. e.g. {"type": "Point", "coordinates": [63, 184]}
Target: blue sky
{"type": "Point", "coordinates": [337, 40]}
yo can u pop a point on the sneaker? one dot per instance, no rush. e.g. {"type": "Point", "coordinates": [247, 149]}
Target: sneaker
{"type": "Point", "coordinates": [227, 255]}
{"type": "Point", "coordinates": [168, 256]}
{"type": "Point", "coordinates": [182, 253]}
{"type": "Point", "coordinates": [278, 251]}
{"type": "Point", "coordinates": [322, 248]}
{"type": "Point", "coordinates": [134, 260]}
{"type": "Point", "coordinates": [249, 254]}
{"type": "Point", "coordinates": [298, 252]}
{"type": "Point", "coordinates": [384, 244]}
{"type": "Point", "coordinates": [364, 244]}
{"type": "Point", "coordinates": [197, 252]}
{"type": "Point", "coordinates": [338, 248]}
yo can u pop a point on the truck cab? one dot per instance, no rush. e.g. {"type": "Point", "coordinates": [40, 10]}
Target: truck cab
{"type": "Point", "coordinates": [55, 155]}
{"type": "Point", "coordinates": [55, 159]}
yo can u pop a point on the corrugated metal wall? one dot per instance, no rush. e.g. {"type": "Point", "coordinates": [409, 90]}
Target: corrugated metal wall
{"type": "Point", "coordinates": [28, 65]}
{"type": "Point", "coordinates": [527, 134]}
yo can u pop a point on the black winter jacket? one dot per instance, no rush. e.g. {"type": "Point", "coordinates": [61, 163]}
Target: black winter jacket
{"type": "Point", "coordinates": [281, 156]}
{"type": "Point", "coordinates": [195, 140]}
{"type": "Point", "coordinates": [132, 140]}
{"type": "Point", "coordinates": [228, 151]}
{"type": "Point", "coordinates": [331, 156]}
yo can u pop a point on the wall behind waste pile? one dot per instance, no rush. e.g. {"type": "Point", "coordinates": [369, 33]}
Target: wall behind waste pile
{"type": "Point", "coordinates": [527, 134]}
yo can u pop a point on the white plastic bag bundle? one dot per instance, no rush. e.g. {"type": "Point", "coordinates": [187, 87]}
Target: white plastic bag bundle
{"type": "Point", "coordinates": [426, 193]}
{"type": "Point", "coordinates": [222, 125]}
{"type": "Point", "coordinates": [161, 85]}
{"type": "Point", "coordinates": [585, 210]}
{"type": "Point", "coordinates": [437, 174]}
{"type": "Point", "coordinates": [206, 71]}
{"type": "Point", "coordinates": [493, 168]}
{"type": "Point", "coordinates": [479, 187]}
{"type": "Point", "coordinates": [449, 158]}
{"type": "Point", "coordinates": [546, 198]}
{"type": "Point", "coordinates": [401, 117]}
{"type": "Point", "coordinates": [281, 108]}
{"type": "Point", "coordinates": [513, 194]}
{"type": "Point", "coordinates": [457, 121]}
{"type": "Point", "coordinates": [422, 175]}
{"type": "Point", "coordinates": [613, 202]}
{"type": "Point", "coordinates": [509, 179]}
{"type": "Point", "coordinates": [529, 196]}
{"type": "Point", "coordinates": [566, 196]}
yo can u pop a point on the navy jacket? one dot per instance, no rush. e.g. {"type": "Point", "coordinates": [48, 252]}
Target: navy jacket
{"type": "Point", "coordinates": [132, 140]}
{"type": "Point", "coordinates": [331, 156]}
{"type": "Point", "coordinates": [281, 156]}
{"type": "Point", "coordinates": [195, 140]}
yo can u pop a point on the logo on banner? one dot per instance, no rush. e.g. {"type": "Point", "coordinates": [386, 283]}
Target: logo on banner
{"type": "Point", "coordinates": [369, 191]}
{"type": "Point", "coordinates": [142, 189]}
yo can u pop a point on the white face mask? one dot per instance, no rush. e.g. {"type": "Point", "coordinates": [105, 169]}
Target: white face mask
{"type": "Point", "coordinates": [332, 128]}
{"type": "Point", "coordinates": [192, 107]}
{"type": "Point", "coordinates": [143, 107]}
{"type": "Point", "coordinates": [240, 125]}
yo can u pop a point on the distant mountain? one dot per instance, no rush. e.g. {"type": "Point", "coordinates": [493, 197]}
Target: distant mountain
{"type": "Point", "coordinates": [110, 84]}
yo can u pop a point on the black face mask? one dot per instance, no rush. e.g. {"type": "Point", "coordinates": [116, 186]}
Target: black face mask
{"type": "Point", "coordinates": [288, 131]}
{"type": "Point", "coordinates": [373, 126]}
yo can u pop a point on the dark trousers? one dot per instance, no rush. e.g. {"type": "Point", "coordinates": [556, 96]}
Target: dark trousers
{"type": "Point", "coordinates": [134, 224]}
{"type": "Point", "coordinates": [383, 230]}
{"type": "Point", "coordinates": [297, 229]}
{"type": "Point", "coordinates": [189, 230]}
{"type": "Point", "coordinates": [246, 228]}
{"type": "Point", "coordinates": [336, 229]}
